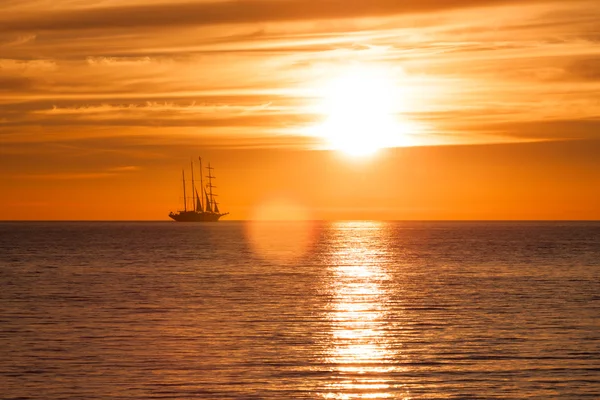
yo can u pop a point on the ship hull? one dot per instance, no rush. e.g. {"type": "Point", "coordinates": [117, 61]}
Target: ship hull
{"type": "Point", "coordinates": [193, 216]}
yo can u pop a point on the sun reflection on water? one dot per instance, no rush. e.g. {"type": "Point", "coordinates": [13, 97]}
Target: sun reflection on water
{"type": "Point", "coordinates": [359, 347]}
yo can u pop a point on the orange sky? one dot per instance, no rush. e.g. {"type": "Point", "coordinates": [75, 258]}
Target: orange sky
{"type": "Point", "coordinates": [103, 102]}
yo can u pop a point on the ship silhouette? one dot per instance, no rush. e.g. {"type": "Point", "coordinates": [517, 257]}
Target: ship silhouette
{"type": "Point", "coordinates": [204, 206]}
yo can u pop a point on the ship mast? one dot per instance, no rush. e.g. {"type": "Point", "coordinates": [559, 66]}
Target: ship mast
{"type": "Point", "coordinates": [201, 187]}
{"type": "Point", "coordinates": [193, 187]}
{"type": "Point", "coordinates": [210, 186]}
{"type": "Point", "coordinates": [184, 198]}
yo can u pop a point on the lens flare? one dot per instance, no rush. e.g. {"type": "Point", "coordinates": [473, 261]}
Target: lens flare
{"type": "Point", "coordinates": [280, 231]}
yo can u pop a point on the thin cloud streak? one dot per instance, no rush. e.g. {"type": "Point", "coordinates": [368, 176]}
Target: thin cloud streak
{"type": "Point", "coordinates": [231, 12]}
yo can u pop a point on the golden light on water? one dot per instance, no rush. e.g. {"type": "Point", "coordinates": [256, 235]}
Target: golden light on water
{"type": "Point", "coordinates": [359, 347]}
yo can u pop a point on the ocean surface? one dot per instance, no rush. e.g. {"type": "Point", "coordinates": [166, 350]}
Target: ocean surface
{"type": "Point", "coordinates": [314, 310]}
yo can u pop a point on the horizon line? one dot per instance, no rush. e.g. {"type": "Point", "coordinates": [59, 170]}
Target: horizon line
{"type": "Point", "coordinates": [306, 220]}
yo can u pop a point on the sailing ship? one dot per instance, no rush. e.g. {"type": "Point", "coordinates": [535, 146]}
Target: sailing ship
{"type": "Point", "coordinates": [204, 206]}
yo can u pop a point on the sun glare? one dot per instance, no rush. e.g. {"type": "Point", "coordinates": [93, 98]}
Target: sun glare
{"type": "Point", "coordinates": [360, 107]}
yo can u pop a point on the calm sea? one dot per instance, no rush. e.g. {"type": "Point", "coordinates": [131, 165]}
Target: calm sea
{"type": "Point", "coordinates": [233, 310]}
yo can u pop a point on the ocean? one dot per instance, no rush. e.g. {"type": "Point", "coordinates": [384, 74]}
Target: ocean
{"type": "Point", "coordinates": [300, 310]}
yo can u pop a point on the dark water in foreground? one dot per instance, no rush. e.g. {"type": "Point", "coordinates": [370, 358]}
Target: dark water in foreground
{"type": "Point", "coordinates": [327, 310]}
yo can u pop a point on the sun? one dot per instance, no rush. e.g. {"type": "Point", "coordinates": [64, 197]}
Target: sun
{"type": "Point", "coordinates": [361, 106]}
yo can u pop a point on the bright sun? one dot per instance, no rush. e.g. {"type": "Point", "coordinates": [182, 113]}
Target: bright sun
{"type": "Point", "coordinates": [360, 107]}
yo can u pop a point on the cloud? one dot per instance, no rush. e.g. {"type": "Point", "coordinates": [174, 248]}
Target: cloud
{"type": "Point", "coordinates": [229, 12]}
{"type": "Point", "coordinates": [67, 176]}
{"type": "Point", "coordinates": [105, 173]}
{"type": "Point", "coordinates": [118, 61]}
{"type": "Point", "coordinates": [576, 129]}
{"type": "Point", "coordinates": [127, 168]}
{"type": "Point", "coordinates": [17, 40]}
{"type": "Point", "coordinates": [27, 66]}
{"type": "Point", "coordinates": [155, 106]}
{"type": "Point", "coordinates": [163, 67]}
{"type": "Point", "coordinates": [14, 83]}
{"type": "Point", "coordinates": [585, 69]}
{"type": "Point", "coordinates": [157, 114]}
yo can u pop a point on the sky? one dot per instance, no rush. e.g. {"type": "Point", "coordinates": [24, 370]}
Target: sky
{"type": "Point", "coordinates": [486, 109]}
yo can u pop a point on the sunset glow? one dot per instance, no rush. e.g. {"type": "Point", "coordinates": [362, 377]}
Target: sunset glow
{"type": "Point", "coordinates": [360, 107]}
{"type": "Point", "coordinates": [328, 199]}
{"type": "Point", "coordinates": [369, 109]}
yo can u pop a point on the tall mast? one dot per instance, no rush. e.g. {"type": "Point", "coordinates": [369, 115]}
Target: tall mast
{"type": "Point", "coordinates": [193, 187]}
{"type": "Point", "coordinates": [184, 198]}
{"type": "Point", "coordinates": [210, 186]}
{"type": "Point", "coordinates": [201, 187]}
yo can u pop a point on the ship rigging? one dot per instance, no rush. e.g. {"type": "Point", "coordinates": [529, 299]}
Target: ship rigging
{"type": "Point", "coordinates": [204, 206]}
